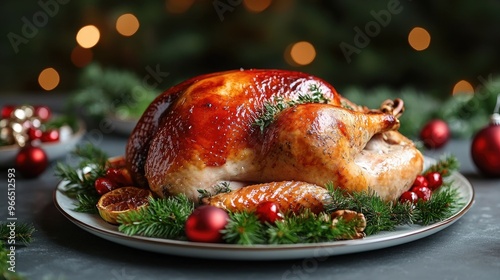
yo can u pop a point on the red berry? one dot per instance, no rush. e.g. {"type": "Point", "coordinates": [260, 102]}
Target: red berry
{"type": "Point", "coordinates": [120, 176]}
{"type": "Point", "coordinates": [422, 192]}
{"type": "Point", "coordinates": [409, 196]}
{"type": "Point", "coordinates": [420, 181]}
{"type": "Point", "coordinates": [435, 180]}
{"type": "Point", "coordinates": [268, 211]}
{"type": "Point", "coordinates": [103, 185]}
{"type": "Point", "coordinates": [50, 136]}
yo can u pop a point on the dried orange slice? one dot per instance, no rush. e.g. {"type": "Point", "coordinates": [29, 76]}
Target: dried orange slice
{"type": "Point", "coordinates": [122, 200]}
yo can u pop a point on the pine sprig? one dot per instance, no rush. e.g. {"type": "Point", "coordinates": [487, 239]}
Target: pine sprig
{"type": "Point", "coordinates": [162, 218]}
{"type": "Point", "coordinates": [80, 179]}
{"type": "Point", "coordinates": [244, 228]}
{"type": "Point", "coordinates": [445, 165]}
{"type": "Point", "coordinates": [271, 109]}
{"type": "Point", "coordinates": [443, 203]}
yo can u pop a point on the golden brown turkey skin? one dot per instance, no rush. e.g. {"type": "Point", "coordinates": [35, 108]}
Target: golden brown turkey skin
{"type": "Point", "coordinates": [290, 196]}
{"type": "Point", "coordinates": [200, 133]}
{"type": "Point", "coordinates": [209, 116]}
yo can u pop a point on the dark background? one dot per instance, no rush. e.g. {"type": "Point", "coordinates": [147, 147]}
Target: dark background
{"type": "Point", "coordinates": [203, 39]}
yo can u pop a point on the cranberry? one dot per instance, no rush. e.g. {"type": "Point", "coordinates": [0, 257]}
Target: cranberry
{"type": "Point", "coordinates": [422, 192]}
{"type": "Point", "coordinates": [420, 181]}
{"type": "Point", "coordinates": [104, 185]}
{"type": "Point", "coordinates": [409, 196]}
{"type": "Point", "coordinates": [119, 175]}
{"type": "Point", "coordinates": [435, 180]}
{"type": "Point", "coordinates": [268, 211]}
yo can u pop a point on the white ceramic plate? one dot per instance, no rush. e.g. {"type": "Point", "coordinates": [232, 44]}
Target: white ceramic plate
{"type": "Point", "coordinates": [54, 150]}
{"type": "Point", "coordinates": [95, 225]}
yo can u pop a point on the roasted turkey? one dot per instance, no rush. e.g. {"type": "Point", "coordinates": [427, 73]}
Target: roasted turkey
{"type": "Point", "coordinates": [202, 132]}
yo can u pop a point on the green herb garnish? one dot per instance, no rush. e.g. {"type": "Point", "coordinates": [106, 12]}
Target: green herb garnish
{"type": "Point", "coordinates": [271, 109]}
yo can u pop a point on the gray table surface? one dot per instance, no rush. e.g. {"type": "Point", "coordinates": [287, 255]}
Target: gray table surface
{"type": "Point", "coordinates": [468, 249]}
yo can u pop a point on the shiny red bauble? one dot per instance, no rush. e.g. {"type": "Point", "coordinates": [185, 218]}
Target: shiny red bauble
{"type": "Point", "coordinates": [435, 134]}
{"type": "Point", "coordinates": [31, 161]}
{"type": "Point", "coordinates": [268, 211]}
{"type": "Point", "coordinates": [206, 223]}
{"type": "Point", "coordinates": [485, 148]}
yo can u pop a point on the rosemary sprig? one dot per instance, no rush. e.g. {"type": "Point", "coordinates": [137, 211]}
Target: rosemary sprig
{"type": "Point", "coordinates": [271, 109]}
{"type": "Point", "coordinates": [80, 179]}
{"type": "Point", "coordinates": [163, 218]}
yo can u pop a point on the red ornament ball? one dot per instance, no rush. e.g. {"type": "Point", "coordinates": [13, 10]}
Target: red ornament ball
{"type": "Point", "coordinates": [435, 134]}
{"type": "Point", "coordinates": [485, 150]}
{"type": "Point", "coordinates": [31, 161]}
{"type": "Point", "coordinates": [205, 224]}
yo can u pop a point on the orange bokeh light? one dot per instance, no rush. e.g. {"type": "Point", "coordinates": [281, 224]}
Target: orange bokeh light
{"type": "Point", "coordinates": [300, 53]}
{"type": "Point", "coordinates": [419, 38]}
{"type": "Point", "coordinates": [88, 36]}
{"type": "Point", "coordinates": [127, 24]}
{"type": "Point", "coordinates": [256, 6]}
{"type": "Point", "coordinates": [48, 79]}
{"type": "Point", "coordinates": [462, 86]}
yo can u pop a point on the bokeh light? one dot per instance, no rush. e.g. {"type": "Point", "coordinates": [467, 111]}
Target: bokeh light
{"type": "Point", "coordinates": [81, 57]}
{"type": "Point", "coordinates": [419, 38]}
{"type": "Point", "coordinates": [127, 24]}
{"type": "Point", "coordinates": [256, 6]}
{"type": "Point", "coordinates": [300, 53]}
{"type": "Point", "coordinates": [48, 79]}
{"type": "Point", "coordinates": [178, 6]}
{"type": "Point", "coordinates": [463, 86]}
{"type": "Point", "coordinates": [88, 36]}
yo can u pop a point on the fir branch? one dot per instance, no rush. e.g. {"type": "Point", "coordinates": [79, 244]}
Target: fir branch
{"type": "Point", "coordinates": [162, 218]}
{"type": "Point", "coordinates": [244, 228]}
{"type": "Point", "coordinates": [443, 204]}
{"type": "Point", "coordinates": [271, 109]}
{"type": "Point", "coordinates": [445, 165]}
{"type": "Point", "coordinates": [80, 179]}
{"type": "Point", "coordinates": [283, 232]}
{"type": "Point", "coordinates": [86, 203]}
